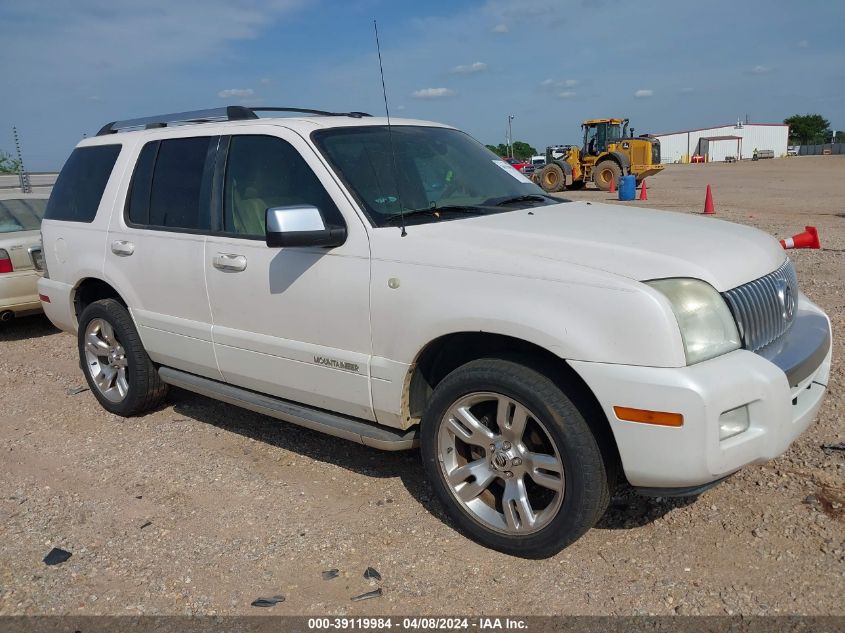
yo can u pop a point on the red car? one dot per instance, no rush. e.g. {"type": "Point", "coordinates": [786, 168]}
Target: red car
{"type": "Point", "coordinates": [517, 164]}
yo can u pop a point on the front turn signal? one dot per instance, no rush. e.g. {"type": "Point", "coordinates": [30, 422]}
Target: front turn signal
{"type": "Point", "coordinates": [660, 418]}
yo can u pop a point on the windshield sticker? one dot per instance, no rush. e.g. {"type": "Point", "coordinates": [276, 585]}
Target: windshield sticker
{"type": "Point", "coordinates": [513, 172]}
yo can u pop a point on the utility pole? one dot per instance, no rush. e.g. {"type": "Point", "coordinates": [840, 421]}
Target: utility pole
{"type": "Point", "coordinates": [511, 117]}
{"type": "Point", "coordinates": [23, 176]}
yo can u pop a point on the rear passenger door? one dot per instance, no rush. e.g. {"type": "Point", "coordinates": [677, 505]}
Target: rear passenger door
{"type": "Point", "coordinates": [293, 322]}
{"type": "Point", "coordinates": [154, 251]}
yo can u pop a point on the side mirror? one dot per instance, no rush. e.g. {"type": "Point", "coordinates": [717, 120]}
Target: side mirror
{"type": "Point", "coordinates": [301, 225]}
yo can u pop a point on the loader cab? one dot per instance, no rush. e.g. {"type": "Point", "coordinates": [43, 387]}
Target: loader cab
{"type": "Point", "coordinates": [599, 133]}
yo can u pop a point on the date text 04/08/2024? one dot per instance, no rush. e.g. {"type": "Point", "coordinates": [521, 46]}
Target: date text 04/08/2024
{"type": "Point", "coordinates": [422, 623]}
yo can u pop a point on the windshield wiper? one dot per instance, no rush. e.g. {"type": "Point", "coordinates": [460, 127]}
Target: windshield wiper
{"type": "Point", "coordinates": [435, 211]}
{"type": "Point", "coordinates": [532, 197]}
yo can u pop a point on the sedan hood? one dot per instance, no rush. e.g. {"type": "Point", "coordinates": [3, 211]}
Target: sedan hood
{"type": "Point", "coordinates": [632, 242]}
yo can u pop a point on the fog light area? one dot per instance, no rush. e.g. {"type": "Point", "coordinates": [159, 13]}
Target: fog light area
{"type": "Point", "coordinates": [733, 422]}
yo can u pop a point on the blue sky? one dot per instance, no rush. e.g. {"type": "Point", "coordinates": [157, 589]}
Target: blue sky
{"type": "Point", "coordinates": [68, 66]}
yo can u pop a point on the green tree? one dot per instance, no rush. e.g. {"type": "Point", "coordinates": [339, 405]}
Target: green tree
{"type": "Point", "coordinates": [521, 150]}
{"type": "Point", "coordinates": [833, 136]}
{"type": "Point", "coordinates": [807, 129]}
{"type": "Point", "coordinates": [8, 165]}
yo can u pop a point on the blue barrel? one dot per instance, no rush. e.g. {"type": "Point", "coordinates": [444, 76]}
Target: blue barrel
{"type": "Point", "coordinates": [627, 187]}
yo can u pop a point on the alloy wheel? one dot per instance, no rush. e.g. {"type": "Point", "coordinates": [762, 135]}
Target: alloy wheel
{"type": "Point", "coordinates": [500, 463]}
{"type": "Point", "coordinates": [106, 360]}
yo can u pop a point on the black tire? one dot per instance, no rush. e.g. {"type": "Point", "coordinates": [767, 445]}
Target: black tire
{"type": "Point", "coordinates": [587, 479]}
{"type": "Point", "coordinates": [145, 389]}
{"type": "Point", "coordinates": [552, 178]}
{"type": "Point", "coordinates": [606, 171]}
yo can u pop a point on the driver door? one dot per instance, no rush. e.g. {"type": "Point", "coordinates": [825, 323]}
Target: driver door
{"type": "Point", "coordinates": [292, 322]}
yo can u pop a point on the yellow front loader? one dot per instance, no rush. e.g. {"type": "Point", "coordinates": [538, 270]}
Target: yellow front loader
{"type": "Point", "coordinates": [608, 153]}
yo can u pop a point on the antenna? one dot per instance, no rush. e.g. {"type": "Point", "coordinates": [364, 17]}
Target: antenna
{"type": "Point", "coordinates": [23, 174]}
{"type": "Point", "coordinates": [390, 134]}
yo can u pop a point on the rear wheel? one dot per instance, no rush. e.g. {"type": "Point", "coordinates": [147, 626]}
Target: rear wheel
{"type": "Point", "coordinates": [552, 178]}
{"type": "Point", "coordinates": [605, 172]}
{"type": "Point", "coordinates": [512, 459]}
{"type": "Point", "coordinates": [118, 371]}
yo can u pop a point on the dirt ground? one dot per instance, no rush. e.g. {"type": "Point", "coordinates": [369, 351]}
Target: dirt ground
{"type": "Point", "coordinates": [201, 507]}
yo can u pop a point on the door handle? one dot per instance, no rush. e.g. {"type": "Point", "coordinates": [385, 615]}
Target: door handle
{"type": "Point", "coordinates": [122, 248]}
{"type": "Point", "coordinates": [229, 262]}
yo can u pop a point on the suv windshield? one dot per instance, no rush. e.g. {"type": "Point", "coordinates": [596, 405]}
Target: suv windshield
{"type": "Point", "coordinates": [440, 173]}
{"type": "Point", "coordinates": [21, 214]}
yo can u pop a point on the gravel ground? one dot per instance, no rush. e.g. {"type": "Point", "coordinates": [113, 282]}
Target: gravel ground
{"type": "Point", "coordinates": [201, 507]}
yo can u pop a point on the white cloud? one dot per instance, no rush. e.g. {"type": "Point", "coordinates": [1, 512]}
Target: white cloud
{"type": "Point", "coordinates": [468, 69]}
{"type": "Point", "coordinates": [644, 93]}
{"type": "Point", "coordinates": [117, 38]}
{"type": "Point", "coordinates": [229, 93]}
{"type": "Point", "coordinates": [567, 94]}
{"type": "Point", "coordinates": [265, 81]}
{"type": "Point", "coordinates": [500, 28]}
{"type": "Point", "coordinates": [432, 93]}
{"type": "Point", "coordinates": [687, 91]}
{"type": "Point", "coordinates": [557, 84]}
{"type": "Point", "coordinates": [803, 44]}
{"type": "Point", "coordinates": [761, 70]}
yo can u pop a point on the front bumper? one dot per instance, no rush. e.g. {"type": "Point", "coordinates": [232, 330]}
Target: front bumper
{"type": "Point", "coordinates": [783, 387]}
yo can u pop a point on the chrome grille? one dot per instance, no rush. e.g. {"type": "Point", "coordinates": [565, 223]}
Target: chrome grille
{"type": "Point", "coordinates": [764, 309]}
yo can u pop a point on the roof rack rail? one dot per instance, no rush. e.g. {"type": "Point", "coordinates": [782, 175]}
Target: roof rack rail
{"type": "Point", "coordinates": [228, 113]}
{"type": "Point", "coordinates": [355, 115]}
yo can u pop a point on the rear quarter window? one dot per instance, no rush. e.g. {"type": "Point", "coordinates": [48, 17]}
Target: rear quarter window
{"type": "Point", "coordinates": [79, 188]}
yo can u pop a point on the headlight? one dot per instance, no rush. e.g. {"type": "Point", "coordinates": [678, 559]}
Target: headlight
{"type": "Point", "coordinates": [707, 325]}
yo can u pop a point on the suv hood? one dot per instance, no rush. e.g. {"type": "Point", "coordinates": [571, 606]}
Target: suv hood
{"type": "Point", "coordinates": [632, 242]}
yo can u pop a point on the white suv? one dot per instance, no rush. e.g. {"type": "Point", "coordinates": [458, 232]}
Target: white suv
{"type": "Point", "coordinates": [401, 286]}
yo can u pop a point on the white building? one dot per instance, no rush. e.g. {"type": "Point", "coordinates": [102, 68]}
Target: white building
{"type": "Point", "coordinates": [737, 139]}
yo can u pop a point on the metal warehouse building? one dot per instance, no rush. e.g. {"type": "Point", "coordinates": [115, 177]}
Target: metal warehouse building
{"type": "Point", "coordinates": [716, 143]}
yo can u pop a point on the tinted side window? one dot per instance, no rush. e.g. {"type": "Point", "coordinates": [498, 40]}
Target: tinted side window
{"type": "Point", "coordinates": [142, 179]}
{"type": "Point", "coordinates": [264, 172]}
{"type": "Point", "coordinates": [21, 214]}
{"type": "Point", "coordinates": [177, 184]}
{"type": "Point", "coordinates": [81, 183]}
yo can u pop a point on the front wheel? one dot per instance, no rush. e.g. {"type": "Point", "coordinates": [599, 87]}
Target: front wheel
{"type": "Point", "coordinates": [512, 459]}
{"type": "Point", "coordinates": [552, 178]}
{"type": "Point", "coordinates": [605, 172]}
{"type": "Point", "coordinates": [118, 371]}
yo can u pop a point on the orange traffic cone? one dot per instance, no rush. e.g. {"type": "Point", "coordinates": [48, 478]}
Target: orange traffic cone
{"type": "Point", "coordinates": [808, 239]}
{"type": "Point", "coordinates": [708, 202]}
{"type": "Point", "coordinates": [612, 188]}
{"type": "Point", "coordinates": [643, 192]}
